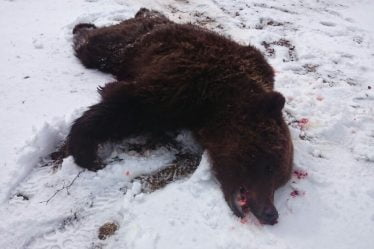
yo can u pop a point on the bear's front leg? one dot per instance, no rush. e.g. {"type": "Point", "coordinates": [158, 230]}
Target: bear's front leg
{"type": "Point", "coordinates": [108, 120]}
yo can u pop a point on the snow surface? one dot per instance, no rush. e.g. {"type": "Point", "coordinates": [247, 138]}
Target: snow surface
{"type": "Point", "coordinates": [323, 52]}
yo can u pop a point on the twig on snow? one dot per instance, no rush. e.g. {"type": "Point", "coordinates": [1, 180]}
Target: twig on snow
{"type": "Point", "coordinates": [63, 187]}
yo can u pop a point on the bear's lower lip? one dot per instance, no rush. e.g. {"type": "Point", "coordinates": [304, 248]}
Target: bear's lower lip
{"type": "Point", "coordinates": [268, 222]}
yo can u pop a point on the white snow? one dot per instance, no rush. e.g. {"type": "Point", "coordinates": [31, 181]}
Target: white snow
{"type": "Point", "coordinates": [326, 71]}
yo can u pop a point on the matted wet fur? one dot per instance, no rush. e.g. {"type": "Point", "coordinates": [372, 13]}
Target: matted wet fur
{"type": "Point", "coordinates": [180, 76]}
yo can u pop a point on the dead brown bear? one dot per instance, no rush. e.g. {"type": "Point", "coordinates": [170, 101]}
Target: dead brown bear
{"type": "Point", "coordinates": [181, 76]}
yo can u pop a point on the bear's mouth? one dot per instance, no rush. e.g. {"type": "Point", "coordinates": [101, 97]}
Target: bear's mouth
{"type": "Point", "coordinates": [241, 202]}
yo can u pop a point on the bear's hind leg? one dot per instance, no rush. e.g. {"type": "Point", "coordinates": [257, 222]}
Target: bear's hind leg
{"type": "Point", "coordinates": [146, 13]}
{"type": "Point", "coordinates": [98, 48]}
{"type": "Point", "coordinates": [106, 48]}
{"type": "Point", "coordinates": [81, 34]}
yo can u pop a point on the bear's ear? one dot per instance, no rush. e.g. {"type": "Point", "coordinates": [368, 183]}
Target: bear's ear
{"type": "Point", "coordinates": [272, 103]}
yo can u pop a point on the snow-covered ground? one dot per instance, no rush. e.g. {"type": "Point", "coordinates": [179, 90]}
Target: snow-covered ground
{"type": "Point", "coordinates": [323, 52]}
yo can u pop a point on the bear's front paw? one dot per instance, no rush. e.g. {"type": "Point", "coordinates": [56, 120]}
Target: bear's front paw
{"type": "Point", "coordinates": [88, 161]}
{"type": "Point", "coordinates": [84, 152]}
{"type": "Point", "coordinates": [96, 165]}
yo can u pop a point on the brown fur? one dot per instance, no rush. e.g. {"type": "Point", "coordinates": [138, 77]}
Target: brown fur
{"type": "Point", "coordinates": [180, 76]}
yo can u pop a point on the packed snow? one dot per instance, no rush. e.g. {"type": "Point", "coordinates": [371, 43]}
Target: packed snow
{"type": "Point", "coordinates": [323, 54]}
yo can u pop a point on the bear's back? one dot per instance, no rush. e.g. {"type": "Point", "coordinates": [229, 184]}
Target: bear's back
{"type": "Point", "coordinates": [200, 57]}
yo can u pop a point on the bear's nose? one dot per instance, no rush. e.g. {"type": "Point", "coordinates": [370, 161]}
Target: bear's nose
{"type": "Point", "coordinates": [269, 215]}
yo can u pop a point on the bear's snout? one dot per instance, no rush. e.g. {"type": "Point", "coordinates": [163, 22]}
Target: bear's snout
{"type": "Point", "coordinates": [245, 201]}
{"type": "Point", "coordinates": [269, 215]}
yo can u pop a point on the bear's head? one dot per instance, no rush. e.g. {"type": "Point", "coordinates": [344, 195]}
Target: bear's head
{"type": "Point", "coordinates": [252, 156]}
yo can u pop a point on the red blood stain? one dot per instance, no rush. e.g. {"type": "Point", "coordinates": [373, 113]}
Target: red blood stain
{"type": "Point", "coordinates": [303, 122]}
{"type": "Point", "coordinates": [319, 98]}
{"type": "Point", "coordinates": [241, 200]}
{"type": "Point", "coordinates": [295, 193]}
{"type": "Point", "coordinates": [127, 173]}
{"type": "Point", "coordinates": [299, 174]}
